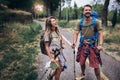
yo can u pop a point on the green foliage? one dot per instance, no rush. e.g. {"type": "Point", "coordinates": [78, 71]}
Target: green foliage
{"type": "Point", "coordinates": [98, 8]}
{"type": "Point", "coordinates": [114, 39]}
{"type": "Point", "coordinates": [32, 76]}
{"type": "Point", "coordinates": [110, 15]}
{"type": "Point", "coordinates": [62, 23]}
{"type": "Point", "coordinates": [29, 33]}
{"type": "Point", "coordinates": [18, 4]}
{"type": "Point", "coordinates": [114, 19]}
{"type": "Point", "coordinates": [18, 59]}
{"type": "Point", "coordinates": [4, 2]}
{"type": "Point", "coordinates": [15, 16]}
{"type": "Point", "coordinates": [74, 13]}
{"type": "Point", "coordinates": [65, 24]}
{"type": "Point", "coordinates": [118, 53]}
{"type": "Point", "coordinates": [51, 6]}
{"type": "Point", "coordinates": [112, 35]}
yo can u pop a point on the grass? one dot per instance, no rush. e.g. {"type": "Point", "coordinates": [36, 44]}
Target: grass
{"type": "Point", "coordinates": [118, 53]}
{"type": "Point", "coordinates": [18, 51]}
{"type": "Point", "coordinates": [112, 35]}
{"type": "Point", "coordinates": [71, 24]}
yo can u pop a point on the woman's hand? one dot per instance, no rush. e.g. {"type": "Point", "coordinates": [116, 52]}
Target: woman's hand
{"type": "Point", "coordinates": [52, 59]}
{"type": "Point", "coordinates": [63, 45]}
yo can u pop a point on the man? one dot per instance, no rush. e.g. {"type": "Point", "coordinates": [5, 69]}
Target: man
{"type": "Point", "coordinates": [90, 31]}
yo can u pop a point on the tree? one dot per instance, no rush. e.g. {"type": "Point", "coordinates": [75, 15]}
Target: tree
{"type": "Point", "coordinates": [19, 4]}
{"type": "Point", "coordinates": [75, 11]}
{"type": "Point", "coordinates": [114, 19]}
{"type": "Point", "coordinates": [61, 3]}
{"type": "Point", "coordinates": [51, 6]}
{"type": "Point", "coordinates": [4, 2]}
{"type": "Point", "coordinates": [118, 1]}
{"type": "Point", "coordinates": [98, 8]}
{"type": "Point", "coordinates": [105, 13]}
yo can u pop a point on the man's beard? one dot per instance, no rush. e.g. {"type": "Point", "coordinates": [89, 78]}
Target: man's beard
{"type": "Point", "coordinates": [87, 16]}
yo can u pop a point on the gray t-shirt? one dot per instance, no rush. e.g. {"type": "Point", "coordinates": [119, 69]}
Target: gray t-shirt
{"type": "Point", "coordinates": [55, 39]}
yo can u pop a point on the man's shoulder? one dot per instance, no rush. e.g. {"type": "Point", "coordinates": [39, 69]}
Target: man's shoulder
{"type": "Point", "coordinates": [98, 21]}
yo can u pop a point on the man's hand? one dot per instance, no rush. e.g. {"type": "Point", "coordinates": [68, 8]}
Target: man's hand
{"type": "Point", "coordinates": [73, 46]}
{"type": "Point", "coordinates": [99, 47]}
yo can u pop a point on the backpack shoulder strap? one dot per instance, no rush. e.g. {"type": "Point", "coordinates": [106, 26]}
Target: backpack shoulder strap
{"type": "Point", "coordinates": [94, 23]}
{"type": "Point", "coordinates": [95, 28]}
{"type": "Point", "coordinates": [81, 23]}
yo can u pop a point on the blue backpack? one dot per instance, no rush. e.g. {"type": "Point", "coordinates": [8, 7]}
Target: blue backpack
{"type": "Point", "coordinates": [95, 36]}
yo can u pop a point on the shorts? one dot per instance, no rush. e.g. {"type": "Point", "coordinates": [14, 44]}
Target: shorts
{"type": "Point", "coordinates": [93, 60]}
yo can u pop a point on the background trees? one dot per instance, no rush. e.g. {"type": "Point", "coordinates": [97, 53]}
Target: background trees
{"type": "Point", "coordinates": [18, 4]}
{"type": "Point", "coordinates": [56, 8]}
{"type": "Point", "coordinates": [52, 5]}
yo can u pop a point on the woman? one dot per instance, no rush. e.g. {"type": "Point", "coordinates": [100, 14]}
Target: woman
{"type": "Point", "coordinates": [54, 45]}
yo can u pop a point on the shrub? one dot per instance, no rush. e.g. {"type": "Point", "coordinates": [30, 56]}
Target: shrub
{"type": "Point", "coordinates": [18, 56]}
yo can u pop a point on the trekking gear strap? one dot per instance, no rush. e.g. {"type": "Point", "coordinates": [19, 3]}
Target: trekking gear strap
{"type": "Point", "coordinates": [92, 38]}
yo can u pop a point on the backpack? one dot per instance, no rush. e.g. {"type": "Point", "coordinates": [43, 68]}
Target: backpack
{"type": "Point", "coordinates": [95, 36]}
{"type": "Point", "coordinates": [42, 42]}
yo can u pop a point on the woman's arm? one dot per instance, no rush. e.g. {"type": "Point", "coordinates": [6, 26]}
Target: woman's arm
{"type": "Point", "coordinates": [63, 43]}
{"type": "Point", "coordinates": [48, 51]}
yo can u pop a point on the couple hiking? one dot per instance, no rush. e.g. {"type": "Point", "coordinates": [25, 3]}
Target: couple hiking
{"type": "Point", "coordinates": [90, 44]}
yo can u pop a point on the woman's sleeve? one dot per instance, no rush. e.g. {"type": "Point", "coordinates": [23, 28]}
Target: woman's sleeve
{"type": "Point", "coordinates": [46, 37]}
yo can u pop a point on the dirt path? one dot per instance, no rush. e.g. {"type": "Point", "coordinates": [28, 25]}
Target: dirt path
{"type": "Point", "coordinates": [110, 68]}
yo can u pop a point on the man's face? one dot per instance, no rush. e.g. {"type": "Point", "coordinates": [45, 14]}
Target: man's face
{"type": "Point", "coordinates": [87, 12]}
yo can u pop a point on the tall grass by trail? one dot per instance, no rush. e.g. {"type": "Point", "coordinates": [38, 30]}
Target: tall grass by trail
{"type": "Point", "coordinates": [71, 24]}
{"type": "Point", "coordinates": [112, 35]}
{"type": "Point", "coordinates": [18, 51]}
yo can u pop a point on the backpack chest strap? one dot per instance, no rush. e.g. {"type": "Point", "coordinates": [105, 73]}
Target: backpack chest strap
{"type": "Point", "coordinates": [91, 38]}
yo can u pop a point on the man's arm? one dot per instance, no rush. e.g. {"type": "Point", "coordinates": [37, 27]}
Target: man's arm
{"type": "Point", "coordinates": [101, 38]}
{"type": "Point", "coordinates": [75, 37]}
{"type": "Point", "coordinates": [100, 33]}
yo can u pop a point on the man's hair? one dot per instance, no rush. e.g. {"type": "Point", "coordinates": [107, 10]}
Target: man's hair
{"type": "Point", "coordinates": [87, 5]}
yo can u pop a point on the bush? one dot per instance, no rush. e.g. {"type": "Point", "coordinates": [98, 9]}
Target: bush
{"type": "Point", "coordinates": [65, 24]}
{"type": "Point", "coordinates": [18, 57]}
{"type": "Point", "coordinates": [62, 23]}
{"type": "Point", "coordinates": [15, 16]}
{"type": "Point", "coordinates": [112, 35]}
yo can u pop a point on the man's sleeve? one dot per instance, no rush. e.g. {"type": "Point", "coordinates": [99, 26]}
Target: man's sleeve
{"type": "Point", "coordinates": [78, 27]}
{"type": "Point", "coordinates": [99, 25]}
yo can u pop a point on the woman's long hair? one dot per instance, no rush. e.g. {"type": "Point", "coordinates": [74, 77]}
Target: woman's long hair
{"type": "Point", "coordinates": [48, 26]}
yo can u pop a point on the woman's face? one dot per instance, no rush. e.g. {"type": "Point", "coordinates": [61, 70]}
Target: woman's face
{"type": "Point", "coordinates": [53, 22]}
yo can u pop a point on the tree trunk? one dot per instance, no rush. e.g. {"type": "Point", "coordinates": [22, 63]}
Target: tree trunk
{"type": "Point", "coordinates": [114, 19]}
{"type": "Point", "coordinates": [105, 13]}
{"type": "Point", "coordinates": [60, 11]}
